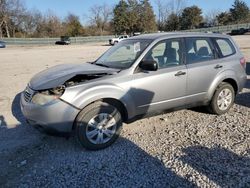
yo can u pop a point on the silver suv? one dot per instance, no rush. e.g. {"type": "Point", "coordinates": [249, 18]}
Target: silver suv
{"type": "Point", "coordinates": [141, 75]}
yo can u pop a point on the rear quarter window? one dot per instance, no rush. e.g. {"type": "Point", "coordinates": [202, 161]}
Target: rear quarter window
{"type": "Point", "coordinates": [225, 46]}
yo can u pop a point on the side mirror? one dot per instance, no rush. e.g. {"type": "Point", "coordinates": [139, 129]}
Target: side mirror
{"type": "Point", "coordinates": [149, 65]}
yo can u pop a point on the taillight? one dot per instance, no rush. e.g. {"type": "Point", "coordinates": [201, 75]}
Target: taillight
{"type": "Point", "coordinates": [243, 62]}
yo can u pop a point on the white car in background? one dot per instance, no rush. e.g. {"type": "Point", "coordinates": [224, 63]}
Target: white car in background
{"type": "Point", "coordinates": [114, 41]}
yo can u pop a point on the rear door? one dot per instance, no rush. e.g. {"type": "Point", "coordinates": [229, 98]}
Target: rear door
{"type": "Point", "coordinates": [202, 67]}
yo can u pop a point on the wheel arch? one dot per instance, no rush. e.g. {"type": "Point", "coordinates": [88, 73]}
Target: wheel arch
{"type": "Point", "coordinates": [223, 77]}
{"type": "Point", "coordinates": [119, 105]}
{"type": "Point", "coordinates": [112, 101]}
{"type": "Point", "coordinates": [233, 83]}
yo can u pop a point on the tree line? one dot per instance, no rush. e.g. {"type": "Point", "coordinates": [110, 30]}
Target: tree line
{"type": "Point", "coordinates": [126, 17]}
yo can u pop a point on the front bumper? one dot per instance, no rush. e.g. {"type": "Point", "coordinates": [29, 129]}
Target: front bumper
{"type": "Point", "coordinates": [57, 115]}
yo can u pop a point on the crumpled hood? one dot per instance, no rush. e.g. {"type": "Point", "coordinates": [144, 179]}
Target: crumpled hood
{"type": "Point", "coordinates": [59, 74]}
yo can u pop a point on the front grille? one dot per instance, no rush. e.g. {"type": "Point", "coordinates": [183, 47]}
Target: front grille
{"type": "Point", "coordinates": [27, 96]}
{"type": "Point", "coordinates": [28, 93]}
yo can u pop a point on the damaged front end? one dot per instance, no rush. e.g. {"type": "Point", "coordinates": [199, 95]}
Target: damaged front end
{"type": "Point", "coordinates": [50, 84]}
{"type": "Point", "coordinates": [83, 78]}
{"type": "Point", "coordinates": [42, 101]}
{"type": "Point", "coordinates": [45, 96]}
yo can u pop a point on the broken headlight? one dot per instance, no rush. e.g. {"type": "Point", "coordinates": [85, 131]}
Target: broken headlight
{"type": "Point", "coordinates": [47, 96]}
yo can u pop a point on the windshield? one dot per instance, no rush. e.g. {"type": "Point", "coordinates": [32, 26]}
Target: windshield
{"type": "Point", "coordinates": [124, 54]}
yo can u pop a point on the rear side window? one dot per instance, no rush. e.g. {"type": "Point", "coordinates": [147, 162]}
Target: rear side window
{"type": "Point", "coordinates": [225, 47]}
{"type": "Point", "coordinates": [199, 50]}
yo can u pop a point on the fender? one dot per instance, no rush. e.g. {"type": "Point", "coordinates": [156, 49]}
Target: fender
{"type": "Point", "coordinates": [85, 96]}
{"type": "Point", "coordinates": [227, 74]}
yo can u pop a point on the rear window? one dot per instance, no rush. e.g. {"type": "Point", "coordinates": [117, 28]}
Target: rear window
{"type": "Point", "coordinates": [225, 47]}
{"type": "Point", "coordinates": [199, 50]}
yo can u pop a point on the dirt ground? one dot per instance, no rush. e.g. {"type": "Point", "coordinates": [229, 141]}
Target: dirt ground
{"type": "Point", "coordinates": [19, 64]}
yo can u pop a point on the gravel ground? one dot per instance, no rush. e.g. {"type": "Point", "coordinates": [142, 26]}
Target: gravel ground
{"type": "Point", "coordinates": [186, 148]}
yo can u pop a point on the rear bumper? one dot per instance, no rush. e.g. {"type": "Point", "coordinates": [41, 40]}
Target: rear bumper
{"type": "Point", "coordinates": [57, 115]}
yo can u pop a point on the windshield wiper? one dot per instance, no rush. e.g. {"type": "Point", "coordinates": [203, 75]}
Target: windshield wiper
{"type": "Point", "coordinates": [102, 65]}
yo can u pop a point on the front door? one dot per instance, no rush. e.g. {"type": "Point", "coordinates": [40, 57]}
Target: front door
{"type": "Point", "coordinates": [166, 87]}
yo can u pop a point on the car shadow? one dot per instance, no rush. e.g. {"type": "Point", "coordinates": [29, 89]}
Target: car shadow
{"type": "Point", "coordinates": [200, 109]}
{"type": "Point", "coordinates": [2, 121]}
{"type": "Point", "coordinates": [123, 164]}
{"type": "Point", "coordinates": [220, 165]}
{"type": "Point", "coordinates": [16, 109]}
{"type": "Point", "coordinates": [37, 156]}
{"type": "Point", "coordinates": [243, 99]}
{"type": "Point", "coordinates": [106, 45]}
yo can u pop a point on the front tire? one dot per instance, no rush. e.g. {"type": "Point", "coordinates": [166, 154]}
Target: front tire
{"type": "Point", "coordinates": [98, 126]}
{"type": "Point", "coordinates": [223, 99]}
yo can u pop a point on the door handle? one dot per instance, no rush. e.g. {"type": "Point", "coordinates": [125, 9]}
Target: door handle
{"type": "Point", "coordinates": [218, 66]}
{"type": "Point", "coordinates": [180, 73]}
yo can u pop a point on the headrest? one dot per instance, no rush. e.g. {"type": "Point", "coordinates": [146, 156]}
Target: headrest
{"type": "Point", "coordinates": [203, 51]}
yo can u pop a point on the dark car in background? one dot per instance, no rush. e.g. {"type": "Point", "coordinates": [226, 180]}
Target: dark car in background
{"type": "Point", "coordinates": [64, 40]}
{"type": "Point", "coordinates": [2, 44]}
{"type": "Point", "coordinates": [240, 31]}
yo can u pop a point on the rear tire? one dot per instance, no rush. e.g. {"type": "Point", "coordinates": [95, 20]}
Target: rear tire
{"type": "Point", "coordinates": [223, 99]}
{"type": "Point", "coordinates": [98, 126]}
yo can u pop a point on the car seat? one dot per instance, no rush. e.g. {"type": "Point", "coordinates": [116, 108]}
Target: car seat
{"type": "Point", "coordinates": [203, 52]}
{"type": "Point", "coordinates": [171, 55]}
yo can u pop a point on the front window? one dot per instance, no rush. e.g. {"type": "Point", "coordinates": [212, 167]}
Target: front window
{"type": "Point", "coordinates": [166, 53]}
{"type": "Point", "coordinates": [124, 54]}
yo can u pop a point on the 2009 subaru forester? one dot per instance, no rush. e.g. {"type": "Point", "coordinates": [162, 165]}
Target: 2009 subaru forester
{"type": "Point", "coordinates": [138, 76]}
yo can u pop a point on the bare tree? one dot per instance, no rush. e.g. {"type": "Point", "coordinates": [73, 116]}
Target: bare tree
{"type": "Point", "coordinates": [4, 18]}
{"type": "Point", "coordinates": [177, 6]}
{"type": "Point", "coordinates": [100, 15]}
{"type": "Point", "coordinates": [167, 8]}
{"type": "Point", "coordinates": [11, 15]}
{"type": "Point", "coordinates": [211, 17]}
{"type": "Point", "coordinates": [162, 13]}
{"type": "Point", "coordinates": [52, 25]}
{"type": "Point", "coordinates": [31, 21]}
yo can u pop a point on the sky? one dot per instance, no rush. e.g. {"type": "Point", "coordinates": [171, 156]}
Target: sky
{"type": "Point", "coordinates": [81, 7]}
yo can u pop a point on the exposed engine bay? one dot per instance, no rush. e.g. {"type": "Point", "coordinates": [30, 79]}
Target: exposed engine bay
{"type": "Point", "coordinates": [82, 78]}
{"type": "Point", "coordinates": [55, 80]}
{"type": "Point", "coordinates": [59, 90]}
